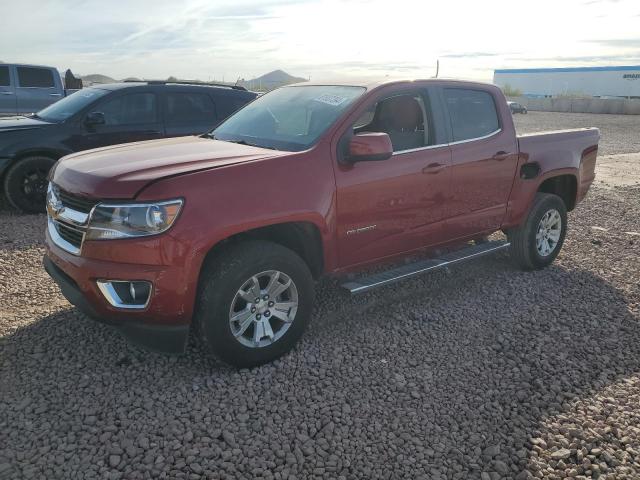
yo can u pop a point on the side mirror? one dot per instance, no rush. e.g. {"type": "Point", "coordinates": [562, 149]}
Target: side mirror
{"type": "Point", "coordinates": [94, 118]}
{"type": "Point", "coordinates": [369, 147]}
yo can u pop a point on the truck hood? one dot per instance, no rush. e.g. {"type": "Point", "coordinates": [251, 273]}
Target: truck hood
{"type": "Point", "coordinates": [121, 171]}
{"type": "Point", "coordinates": [8, 124]}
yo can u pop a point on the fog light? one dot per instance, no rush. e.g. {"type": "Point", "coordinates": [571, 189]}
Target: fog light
{"type": "Point", "coordinates": [126, 294]}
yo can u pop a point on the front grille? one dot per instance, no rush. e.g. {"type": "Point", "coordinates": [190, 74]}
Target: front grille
{"type": "Point", "coordinates": [71, 235]}
{"type": "Point", "coordinates": [68, 218]}
{"type": "Point", "coordinates": [80, 204]}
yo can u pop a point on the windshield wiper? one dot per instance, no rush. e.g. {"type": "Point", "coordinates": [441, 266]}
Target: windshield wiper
{"type": "Point", "coordinates": [239, 142]}
{"type": "Point", "coordinates": [244, 142]}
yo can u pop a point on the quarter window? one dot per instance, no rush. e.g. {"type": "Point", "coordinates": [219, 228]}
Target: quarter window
{"type": "Point", "coordinates": [185, 107]}
{"type": "Point", "coordinates": [473, 113]}
{"type": "Point", "coordinates": [130, 109]}
{"type": "Point", "coordinates": [35, 77]}
{"type": "Point", "coordinates": [4, 77]}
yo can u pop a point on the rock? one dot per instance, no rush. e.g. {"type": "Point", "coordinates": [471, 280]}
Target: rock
{"type": "Point", "coordinates": [501, 467]}
{"type": "Point", "coordinates": [561, 454]}
{"type": "Point", "coordinates": [491, 451]}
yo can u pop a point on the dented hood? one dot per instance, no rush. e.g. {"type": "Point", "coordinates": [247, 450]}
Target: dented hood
{"type": "Point", "coordinates": [121, 171]}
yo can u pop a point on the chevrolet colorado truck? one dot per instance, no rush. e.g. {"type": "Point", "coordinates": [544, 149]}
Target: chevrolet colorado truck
{"type": "Point", "coordinates": [227, 231]}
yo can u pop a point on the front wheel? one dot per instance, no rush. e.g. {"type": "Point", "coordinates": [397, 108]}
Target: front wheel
{"type": "Point", "coordinates": [25, 184]}
{"type": "Point", "coordinates": [537, 242]}
{"type": "Point", "coordinates": [254, 303]}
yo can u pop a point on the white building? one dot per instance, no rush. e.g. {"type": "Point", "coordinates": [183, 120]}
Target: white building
{"type": "Point", "coordinates": [580, 81]}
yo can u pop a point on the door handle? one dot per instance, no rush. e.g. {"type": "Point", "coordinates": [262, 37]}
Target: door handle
{"type": "Point", "coordinates": [433, 168]}
{"type": "Point", "coordinates": [55, 94]}
{"type": "Point", "coordinates": [501, 155]}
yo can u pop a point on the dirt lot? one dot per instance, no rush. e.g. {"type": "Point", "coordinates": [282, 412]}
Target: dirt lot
{"type": "Point", "coordinates": [479, 372]}
{"type": "Point", "coordinates": [620, 133]}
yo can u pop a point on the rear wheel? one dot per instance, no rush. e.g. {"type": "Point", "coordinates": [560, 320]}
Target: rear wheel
{"type": "Point", "coordinates": [25, 184]}
{"type": "Point", "coordinates": [537, 242]}
{"type": "Point", "coordinates": [254, 303]}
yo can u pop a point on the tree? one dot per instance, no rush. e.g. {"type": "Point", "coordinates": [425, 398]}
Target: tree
{"type": "Point", "coordinates": [509, 91]}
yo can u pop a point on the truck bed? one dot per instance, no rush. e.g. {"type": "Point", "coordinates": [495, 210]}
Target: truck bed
{"type": "Point", "coordinates": [563, 149]}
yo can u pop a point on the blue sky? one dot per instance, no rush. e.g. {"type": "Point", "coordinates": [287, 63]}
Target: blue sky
{"type": "Point", "coordinates": [318, 39]}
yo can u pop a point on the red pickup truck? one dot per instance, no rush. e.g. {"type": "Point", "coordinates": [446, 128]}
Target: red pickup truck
{"type": "Point", "coordinates": [227, 231]}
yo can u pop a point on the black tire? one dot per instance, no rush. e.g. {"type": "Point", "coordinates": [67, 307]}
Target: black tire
{"type": "Point", "coordinates": [524, 251]}
{"type": "Point", "coordinates": [25, 184]}
{"type": "Point", "coordinates": [224, 275]}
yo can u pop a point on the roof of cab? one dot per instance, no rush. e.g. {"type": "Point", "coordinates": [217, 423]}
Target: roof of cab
{"type": "Point", "coordinates": [371, 84]}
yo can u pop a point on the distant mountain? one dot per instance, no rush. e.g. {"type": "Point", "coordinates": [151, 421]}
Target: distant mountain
{"type": "Point", "coordinates": [271, 80]}
{"type": "Point", "coordinates": [97, 78]}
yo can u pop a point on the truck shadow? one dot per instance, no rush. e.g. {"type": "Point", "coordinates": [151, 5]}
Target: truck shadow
{"type": "Point", "coordinates": [461, 367]}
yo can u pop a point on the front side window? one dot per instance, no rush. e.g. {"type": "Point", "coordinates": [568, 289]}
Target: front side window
{"type": "Point", "coordinates": [130, 109]}
{"type": "Point", "coordinates": [473, 113]}
{"type": "Point", "coordinates": [35, 77]}
{"type": "Point", "coordinates": [289, 118]}
{"type": "Point", "coordinates": [186, 107]}
{"type": "Point", "coordinates": [68, 106]}
{"type": "Point", "coordinates": [4, 77]}
{"type": "Point", "coordinates": [403, 117]}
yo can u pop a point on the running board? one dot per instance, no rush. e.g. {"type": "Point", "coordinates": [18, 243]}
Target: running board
{"type": "Point", "coordinates": [407, 271]}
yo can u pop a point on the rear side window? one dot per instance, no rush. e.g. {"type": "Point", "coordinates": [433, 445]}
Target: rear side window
{"type": "Point", "coordinates": [228, 104]}
{"type": "Point", "coordinates": [188, 107]}
{"type": "Point", "coordinates": [4, 77]}
{"type": "Point", "coordinates": [473, 113]}
{"type": "Point", "coordinates": [130, 109]}
{"type": "Point", "coordinates": [35, 77]}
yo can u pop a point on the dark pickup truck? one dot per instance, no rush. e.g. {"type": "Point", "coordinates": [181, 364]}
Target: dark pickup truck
{"type": "Point", "coordinates": [227, 231]}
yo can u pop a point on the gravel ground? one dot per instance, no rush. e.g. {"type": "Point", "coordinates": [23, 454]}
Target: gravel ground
{"type": "Point", "coordinates": [479, 372]}
{"type": "Point", "coordinates": [620, 133]}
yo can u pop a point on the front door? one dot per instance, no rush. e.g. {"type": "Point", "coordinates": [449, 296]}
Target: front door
{"type": "Point", "coordinates": [130, 117]}
{"type": "Point", "coordinates": [393, 206]}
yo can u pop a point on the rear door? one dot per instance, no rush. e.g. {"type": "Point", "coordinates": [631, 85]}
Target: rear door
{"type": "Point", "coordinates": [129, 117]}
{"type": "Point", "coordinates": [484, 158]}
{"type": "Point", "coordinates": [188, 113]}
{"type": "Point", "coordinates": [8, 104]}
{"type": "Point", "coordinates": [36, 88]}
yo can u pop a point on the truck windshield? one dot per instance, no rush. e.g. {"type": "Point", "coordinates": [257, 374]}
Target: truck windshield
{"type": "Point", "coordinates": [68, 106]}
{"type": "Point", "coordinates": [289, 118]}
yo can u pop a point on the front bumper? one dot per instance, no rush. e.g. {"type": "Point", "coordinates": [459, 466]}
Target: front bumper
{"type": "Point", "coordinates": [160, 338]}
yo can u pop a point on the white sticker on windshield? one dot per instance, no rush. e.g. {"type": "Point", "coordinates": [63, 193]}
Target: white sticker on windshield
{"type": "Point", "coordinates": [329, 99]}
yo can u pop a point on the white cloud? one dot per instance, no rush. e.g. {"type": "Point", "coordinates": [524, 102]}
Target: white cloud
{"type": "Point", "coordinates": [317, 38]}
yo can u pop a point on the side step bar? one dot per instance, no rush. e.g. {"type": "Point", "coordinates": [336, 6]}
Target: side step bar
{"type": "Point", "coordinates": [407, 271]}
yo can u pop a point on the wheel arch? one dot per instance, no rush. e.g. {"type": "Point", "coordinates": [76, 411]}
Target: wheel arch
{"type": "Point", "coordinates": [302, 237]}
{"type": "Point", "coordinates": [565, 186]}
{"type": "Point", "coordinates": [51, 153]}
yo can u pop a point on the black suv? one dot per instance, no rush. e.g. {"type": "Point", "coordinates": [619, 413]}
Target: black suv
{"type": "Point", "coordinates": [104, 115]}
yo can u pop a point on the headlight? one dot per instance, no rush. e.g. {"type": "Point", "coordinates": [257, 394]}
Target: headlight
{"type": "Point", "coordinates": [112, 221]}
